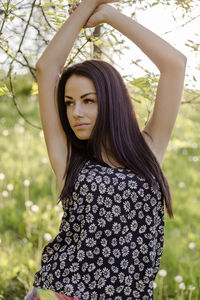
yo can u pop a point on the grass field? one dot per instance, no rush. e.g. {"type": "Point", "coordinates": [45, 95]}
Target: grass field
{"type": "Point", "coordinates": [30, 217]}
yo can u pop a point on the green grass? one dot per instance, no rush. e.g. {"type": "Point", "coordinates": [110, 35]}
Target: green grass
{"type": "Point", "coordinates": [30, 212]}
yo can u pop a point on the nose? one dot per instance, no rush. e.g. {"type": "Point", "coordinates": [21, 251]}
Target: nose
{"type": "Point", "coordinates": [78, 110]}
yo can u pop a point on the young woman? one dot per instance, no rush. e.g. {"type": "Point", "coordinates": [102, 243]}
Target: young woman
{"type": "Point", "coordinates": [109, 173]}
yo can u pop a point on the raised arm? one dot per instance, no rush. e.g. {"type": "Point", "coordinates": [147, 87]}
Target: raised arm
{"type": "Point", "coordinates": [171, 64]}
{"type": "Point", "coordinates": [49, 66]}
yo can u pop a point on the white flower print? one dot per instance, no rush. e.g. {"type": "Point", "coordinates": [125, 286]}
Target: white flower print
{"type": "Point", "coordinates": [132, 184]}
{"type": "Point", "coordinates": [116, 210]}
{"type": "Point", "coordinates": [93, 187]}
{"type": "Point", "coordinates": [90, 178]}
{"type": "Point", "coordinates": [90, 242]}
{"type": "Point", "coordinates": [86, 278]}
{"type": "Point", "coordinates": [134, 225]}
{"type": "Point", "coordinates": [116, 253]}
{"type": "Point", "coordinates": [125, 251]}
{"type": "Point", "coordinates": [128, 280]}
{"type": "Point", "coordinates": [92, 228]}
{"type": "Point", "coordinates": [140, 285]}
{"type": "Point", "coordinates": [115, 181]}
{"type": "Point", "coordinates": [111, 233]}
{"type": "Point", "coordinates": [116, 227]}
{"type": "Point", "coordinates": [131, 269]}
{"type": "Point", "coordinates": [94, 208]}
{"type": "Point", "coordinates": [126, 205]}
{"type": "Point", "coordinates": [106, 179]}
{"type": "Point", "coordinates": [102, 188]}
{"type": "Point", "coordinates": [109, 216]}
{"type": "Point", "coordinates": [124, 264]}
{"type": "Point", "coordinates": [109, 290]}
{"type": "Point", "coordinates": [89, 218]}
{"type": "Point", "coordinates": [106, 251]}
{"type": "Point", "coordinates": [69, 289]}
{"type": "Point", "coordinates": [121, 277]}
{"type": "Point", "coordinates": [101, 282]}
{"type": "Point", "coordinates": [101, 222]}
{"type": "Point", "coordinates": [107, 202]}
{"type": "Point", "coordinates": [102, 211]}
{"type": "Point", "coordinates": [106, 272]}
{"type": "Point", "coordinates": [121, 240]}
{"type": "Point", "coordinates": [110, 190]}
{"type": "Point", "coordinates": [84, 190]}
{"type": "Point", "coordinates": [117, 198]}
{"type": "Point", "coordinates": [97, 274]}
{"type": "Point", "coordinates": [76, 278]}
{"type": "Point", "coordinates": [128, 237]}
{"type": "Point", "coordinates": [98, 179]}
{"type": "Point", "coordinates": [89, 197]}
{"type": "Point", "coordinates": [126, 194]}
{"type": "Point", "coordinates": [100, 200]}
{"type": "Point", "coordinates": [121, 186]}
{"type": "Point", "coordinates": [113, 279]}
{"type": "Point", "coordinates": [104, 242]}
{"type": "Point", "coordinates": [100, 261]}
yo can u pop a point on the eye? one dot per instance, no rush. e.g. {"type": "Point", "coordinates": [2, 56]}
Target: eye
{"type": "Point", "coordinates": [68, 103]}
{"type": "Point", "coordinates": [89, 101]}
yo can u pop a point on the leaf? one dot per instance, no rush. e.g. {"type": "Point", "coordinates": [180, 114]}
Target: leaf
{"type": "Point", "coordinates": [34, 89]}
{"type": "Point", "coordinates": [47, 4]}
{"type": "Point", "coordinates": [4, 91]}
{"type": "Point", "coordinates": [97, 43]}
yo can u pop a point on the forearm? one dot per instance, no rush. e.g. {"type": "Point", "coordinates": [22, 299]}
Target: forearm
{"type": "Point", "coordinates": [161, 53]}
{"type": "Point", "coordinates": [57, 51]}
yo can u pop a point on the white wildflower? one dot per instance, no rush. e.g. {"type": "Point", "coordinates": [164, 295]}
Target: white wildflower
{"type": "Point", "coordinates": [28, 203]}
{"type": "Point", "coordinates": [2, 176]}
{"type": "Point", "coordinates": [56, 208]}
{"type": "Point", "coordinates": [154, 285]}
{"type": "Point", "coordinates": [178, 278]}
{"type": "Point", "coordinates": [34, 208]}
{"type": "Point", "coordinates": [191, 245]}
{"type": "Point", "coordinates": [10, 187]}
{"type": "Point", "coordinates": [191, 288]}
{"type": "Point", "coordinates": [5, 193]}
{"type": "Point", "coordinates": [26, 182]}
{"type": "Point", "coordinates": [182, 286]}
{"type": "Point", "coordinates": [162, 273]}
{"type": "Point", "coordinates": [5, 132]}
{"type": "Point", "coordinates": [181, 184]}
{"type": "Point", "coordinates": [44, 160]}
{"type": "Point", "coordinates": [47, 236]}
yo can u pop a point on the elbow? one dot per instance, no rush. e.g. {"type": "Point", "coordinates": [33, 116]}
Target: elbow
{"type": "Point", "coordinates": [183, 61]}
{"type": "Point", "coordinates": [178, 64]}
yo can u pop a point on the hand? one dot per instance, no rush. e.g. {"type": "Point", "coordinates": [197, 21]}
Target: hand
{"type": "Point", "coordinates": [97, 17]}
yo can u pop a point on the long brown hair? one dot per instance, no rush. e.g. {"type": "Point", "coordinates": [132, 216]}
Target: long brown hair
{"type": "Point", "coordinates": [116, 118]}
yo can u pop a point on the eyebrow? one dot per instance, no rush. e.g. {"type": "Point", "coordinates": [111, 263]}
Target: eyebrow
{"type": "Point", "coordinates": [82, 95]}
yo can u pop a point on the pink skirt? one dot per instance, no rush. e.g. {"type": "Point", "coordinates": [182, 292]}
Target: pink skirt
{"type": "Point", "coordinates": [42, 294]}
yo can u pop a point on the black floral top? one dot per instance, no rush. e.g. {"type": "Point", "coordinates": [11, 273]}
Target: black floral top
{"type": "Point", "coordinates": [111, 238]}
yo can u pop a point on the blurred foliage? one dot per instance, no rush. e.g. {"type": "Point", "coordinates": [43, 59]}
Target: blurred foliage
{"type": "Point", "coordinates": [30, 216]}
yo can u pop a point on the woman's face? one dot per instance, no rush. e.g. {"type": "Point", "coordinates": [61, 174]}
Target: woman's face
{"type": "Point", "coordinates": [81, 105]}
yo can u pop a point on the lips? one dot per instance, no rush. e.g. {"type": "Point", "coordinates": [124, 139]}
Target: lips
{"type": "Point", "coordinates": [81, 124]}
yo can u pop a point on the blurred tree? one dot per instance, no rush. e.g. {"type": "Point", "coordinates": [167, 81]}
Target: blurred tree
{"type": "Point", "coordinates": [27, 26]}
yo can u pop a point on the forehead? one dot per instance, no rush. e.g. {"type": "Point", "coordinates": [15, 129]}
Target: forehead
{"type": "Point", "coordinates": [79, 84]}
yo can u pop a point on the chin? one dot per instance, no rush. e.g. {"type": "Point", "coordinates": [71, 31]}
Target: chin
{"type": "Point", "coordinates": [82, 137]}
